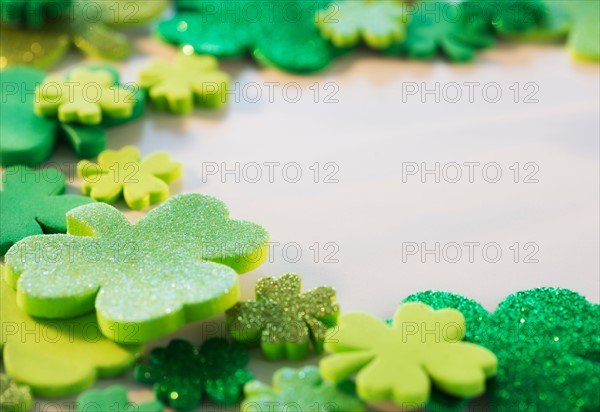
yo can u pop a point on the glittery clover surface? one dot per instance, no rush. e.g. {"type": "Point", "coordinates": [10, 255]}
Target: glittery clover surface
{"type": "Point", "coordinates": [547, 341]}
{"type": "Point", "coordinates": [504, 16]}
{"type": "Point", "coordinates": [33, 203]}
{"type": "Point", "coordinates": [177, 264]}
{"type": "Point", "coordinates": [176, 86]}
{"type": "Point", "coordinates": [400, 363]}
{"type": "Point", "coordinates": [13, 397]}
{"type": "Point", "coordinates": [124, 173]}
{"type": "Point", "coordinates": [282, 34]}
{"type": "Point", "coordinates": [300, 389]}
{"type": "Point", "coordinates": [113, 398]}
{"type": "Point", "coordinates": [181, 374]}
{"type": "Point", "coordinates": [284, 320]}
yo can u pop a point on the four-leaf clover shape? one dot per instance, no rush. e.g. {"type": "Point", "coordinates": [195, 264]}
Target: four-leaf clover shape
{"type": "Point", "coordinates": [177, 264]}
{"type": "Point", "coordinates": [399, 363]}
{"type": "Point", "coordinates": [284, 320]}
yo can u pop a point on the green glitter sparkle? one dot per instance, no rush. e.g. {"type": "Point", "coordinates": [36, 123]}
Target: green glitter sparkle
{"type": "Point", "coordinates": [13, 397]}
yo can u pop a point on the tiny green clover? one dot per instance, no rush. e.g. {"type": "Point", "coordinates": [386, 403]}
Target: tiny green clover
{"type": "Point", "coordinates": [176, 86]}
{"type": "Point", "coordinates": [300, 389]}
{"type": "Point", "coordinates": [123, 172]}
{"type": "Point", "coordinates": [399, 363]}
{"type": "Point", "coordinates": [14, 397]}
{"type": "Point", "coordinates": [380, 23]}
{"type": "Point", "coordinates": [113, 398]}
{"type": "Point", "coordinates": [283, 319]}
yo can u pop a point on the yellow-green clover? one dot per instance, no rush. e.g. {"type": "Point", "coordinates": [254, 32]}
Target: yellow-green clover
{"type": "Point", "coordinates": [124, 173]}
{"type": "Point", "coordinates": [399, 363]}
{"type": "Point", "coordinates": [14, 397]}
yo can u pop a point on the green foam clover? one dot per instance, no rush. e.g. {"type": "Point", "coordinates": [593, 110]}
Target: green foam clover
{"type": "Point", "coordinates": [284, 320]}
{"type": "Point", "coordinates": [179, 263]}
{"type": "Point", "coordinates": [29, 139]}
{"type": "Point", "coordinates": [380, 23]}
{"type": "Point", "coordinates": [33, 203]}
{"type": "Point", "coordinates": [281, 34]}
{"type": "Point", "coordinates": [176, 86]}
{"type": "Point", "coordinates": [399, 363]}
{"type": "Point", "coordinates": [113, 398]}
{"type": "Point", "coordinates": [14, 397]}
{"type": "Point", "coordinates": [300, 389]}
{"type": "Point", "coordinates": [57, 358]}
{"type": "Point", "coordinates": [181, 374]}
{"type": "Point", "coordinates": [124, 173]}
{"type": "Point", "coordinates": [547, 341]}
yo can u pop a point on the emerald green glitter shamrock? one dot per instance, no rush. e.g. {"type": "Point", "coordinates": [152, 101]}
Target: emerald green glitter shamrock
{"type": "Point", "coordinates": [301, 390]}
{"type": "Point", "coordinates": [177, 264]}
{"type": "Point", "coordinates": [284, 320]}
{"type": "Point", "coordinates": [547, 341]}
{"type": "Point", "coordinates": [181, 374]}
{"type": "Point", "coordinates": [282, 34]}
{"type": "Point", "coordinates": [504, 16]}
{"type": "Point", "coordinates": [113, 398]}
{"type": "Point", "coordinates": [14, 397]}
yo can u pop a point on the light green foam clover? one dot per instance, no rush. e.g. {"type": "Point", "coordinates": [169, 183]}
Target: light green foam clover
{"type": "Point", "coordinates": [300, 389]}
{"type": "Point", "coordinates": [177, 264]}
{"type": "Point", "coordinates": [57, 358]}
{"type": "Point", "coordinates": [113, 398]}
{"type": "Point", "coordinates": [380, 23]}
{"type": "Point", "coordinates": [85, 97]}
{"type": "Point", "coordinates": [123, 172]}
{"type": "Point", "coordinates": [399, 363]}
{"type": "Point", "coordinates": [284, 320]}
{"type": "Point", "coordinates": [14, 397]}
{"type": "Point", "coordinates": [176, 86]}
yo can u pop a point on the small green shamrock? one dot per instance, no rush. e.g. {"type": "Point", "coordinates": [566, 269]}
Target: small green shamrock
{"type": "Point", "coordinates": [32, 204]}
{"type": "Point", "coordinates": [177, 264]}
{"type": "Point", "coordinates": [379, 22]}
{"type": "Point", "coordinates": [281, 34]}
{"type": "Point", "coordinates": [124, 173]}
{"type": "Point", "coordinates": [176, 86]}
{"type": "Point", "coordinates": [399, 362]}
{"type": "Point", "coordinates": [302, 390]}
{"type": "Point", "coordinates": [547, 341]}
{"type": "Point", "coordinates": [283, 319]}
{"type": "Point", "coordinates": [113, 398]}
{"type": "Point", "coordinates": [14, 397]}
{"type": "Point", "coordinates": [181, 374]}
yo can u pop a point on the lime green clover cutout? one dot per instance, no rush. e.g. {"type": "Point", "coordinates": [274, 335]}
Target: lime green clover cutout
{"type": "Point", "coordinates": [176, 86]}
{"type": "Point", "coordinates": [547, 341]}
{"type": "Point", "coordinates": [300, 389]}
{"type": "Point", "coordinates": [113, 398]}
{"type": "Point", "coordinates": [57, 358]}
{"type": "Point", "coordinates": [178, 264]}
{"type": "Point", "coordinates": [284, 320]}
{"type": "Point", "coordinates": [398, 363]}
{"type": "Point", "coordinates": [380, 23]}
{"type": "Point", "coordinates": [14, 397]}
{"type": "Point", "coordinates": [141, 182]}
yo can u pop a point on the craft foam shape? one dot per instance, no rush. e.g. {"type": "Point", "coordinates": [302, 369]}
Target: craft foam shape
{"type": "Point", "coordinates": [32, 204]}
{"type": "Point", "coordinates": [547, 341]}
{"type": "Point", "coordinates": [124, 173]}
{"type": "Point", "coordinates": [176, 86]}
{"type": "Point", "coordinates": [132, 13]}
{"type": "Point", "coordinates": [284, 320]}
{"type": "Point", "coordinates": [302, 389]}
{"type": "Point", "coordinates": [113, 398]}
{"type": "Point", "coordinates": [181, 374]}
{"type": "Point", "coordinates": [177, 264]}
{"type": "Point", "coordinates": [31, 13]}
{"type": "Point", "coordinates": [14, 397]}
{"type": "Point", "coordinates": [35, 48]}
{"type": "Point", "coordinates": [57, 358]}
{"type": "Point", "coordinates": [378, 23]}
{"type": "Point", "coordinates": [399, 363]}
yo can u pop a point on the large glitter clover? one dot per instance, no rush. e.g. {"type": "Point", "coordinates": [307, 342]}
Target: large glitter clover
{"type": "Point", "coordinates": [398, 363]}
{"type": "Point", "coordinates": [547, 341]}
{"type": "Point", "coordinates": [282, 34]}
{"type": "Point", "coordinates": [284, 320]}
{"type": "Point", "coordinates": [177, 264]}
{"type": "Point", "coordinates": [14, 397]}
{"type": "Point", "coordinates": [181, 374]}
{"type": "Point", "coordinates": [300, 389]}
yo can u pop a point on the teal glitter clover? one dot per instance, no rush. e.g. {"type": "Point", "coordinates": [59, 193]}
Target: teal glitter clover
{"type": "Point", "coordinates": [281, 34]}
{"type": "Point", "coordinates": [547, 341]}
{"type": "Point", "coordinates": [181, 374]}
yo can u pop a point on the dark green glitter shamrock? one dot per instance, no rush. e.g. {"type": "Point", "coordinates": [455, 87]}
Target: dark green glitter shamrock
{"type": "Point", "coordinates": [504, 16]}
{"type": "Point", "coordinates": [31, 13]}
{"type": "Point", "coordinates": [284, 320]}
{"type": "Point", "coordinates": [181, 374]}
{"type": "Point", "coordinates": [283, 34]}
{"type": "Point", "coordinates": [547, 341]}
